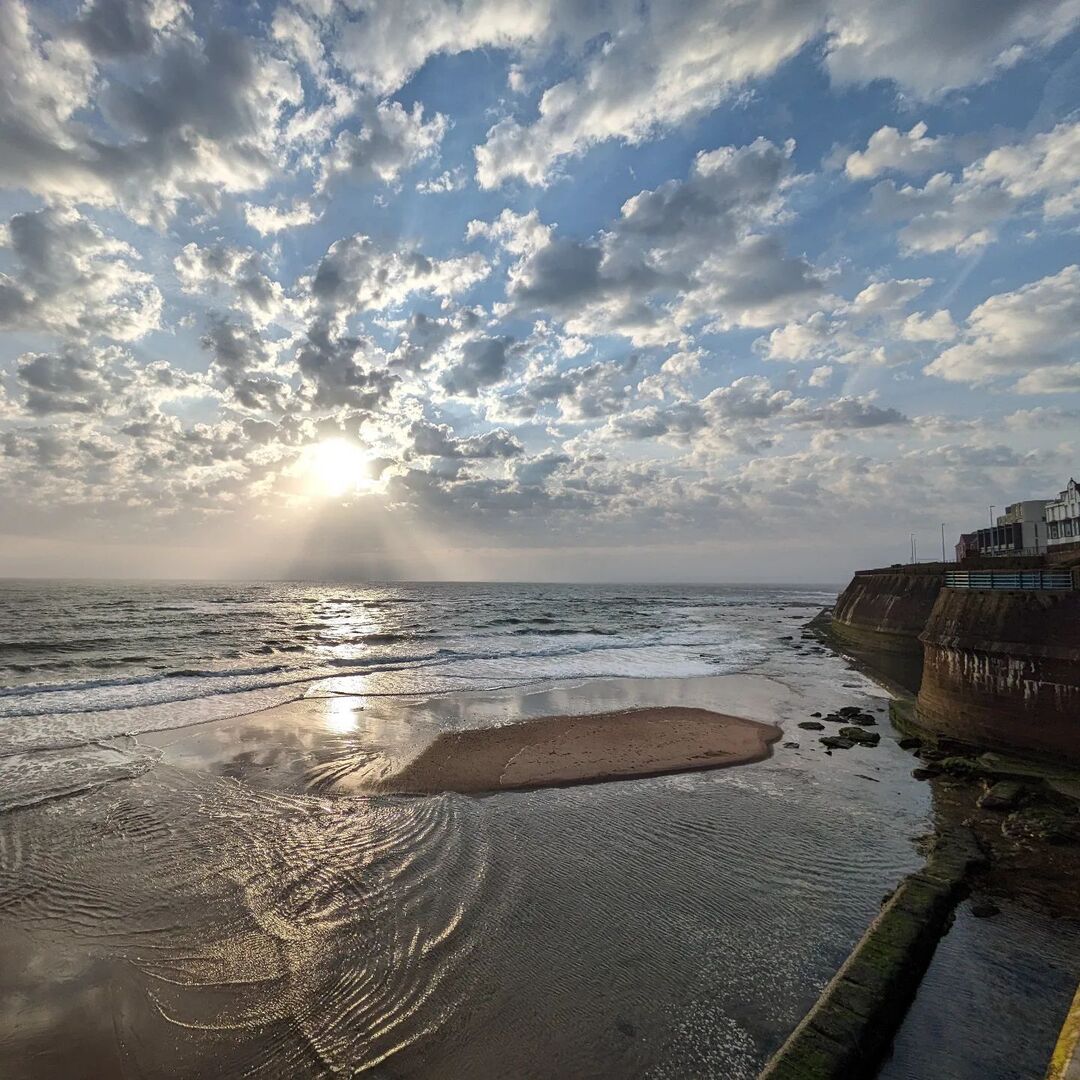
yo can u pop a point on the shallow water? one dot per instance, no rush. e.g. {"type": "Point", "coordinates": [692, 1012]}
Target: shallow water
{"type": "Point", "coordinates": [231, 907]}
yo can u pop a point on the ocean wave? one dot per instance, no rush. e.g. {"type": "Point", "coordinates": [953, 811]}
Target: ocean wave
{"type": "Point", "coordinates": [29, 778]}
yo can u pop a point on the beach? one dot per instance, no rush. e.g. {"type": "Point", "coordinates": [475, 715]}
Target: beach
{"type": "Point", "coordinates": [243, 891]}
{"type": "Point", "coordinates": [556, 751]}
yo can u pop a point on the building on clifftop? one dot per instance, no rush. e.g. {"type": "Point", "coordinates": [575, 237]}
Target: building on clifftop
{"type": "Point", "coordinates": [1063, 516]}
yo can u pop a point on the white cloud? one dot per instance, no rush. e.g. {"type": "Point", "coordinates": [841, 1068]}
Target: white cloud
{"type": "Point", "coordinates": [190, 119]}
{"type": "Point", "coordinates": [889, 150]}
{"type": "Point", "coordinates": [356, 274]}
{"type": "Point", "coordinates": [929, 48]}
{"type": "Point", "coordinates": [887, 297]}
{"type": "Point", "coordinates": [239, 273]}
{"type": "Point", "coordinates": [666, 62]}
{"type": "Point", "coordinates": [938, 326]}
{"type": "Point", "coordinates": [74, 280]}
{"type": "Point", "coordinates": [870, 329]}
{"type": "Point", "coordinates": [685, 251]}
{"type": "Point", "coordinates": [963, 214]}
{"type": "Point", "coordinates": [448, 180]}
{"type": "Point", "coordinates": [267, 220]}
{"type": "Point", "coordinates": [1029, 332]}
{"type": "Point", "coordinates": [391, 140]}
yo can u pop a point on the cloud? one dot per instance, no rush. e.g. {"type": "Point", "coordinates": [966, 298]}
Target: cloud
{"type": "Point", "coordinates": [237, 272]}
{"type": "Point", "coordinates": [268, 220]}
{"type": "Point", "coordinates": [439, 440]}
{"type": "Point", "coordinates": [938, 326]}
{"type": "Point", "coordinates": [1051, 380]}
{"type": "Point", "coordinates": [666, 63]}
{"type": "Point", "coordinates": [481, 362]}
{"type": "Point", "coordinates": [448, 180]}
{"type": "Point", "coordinates": [871, 329]}
{"type": "Point", "coordinates": [684, 251]}
{"type": "Point", "coordinates": [848, 412]}
{"type": "Point", "coordinates": [241, 362]}
{"type": "Point", "coordinates": [965, 213]}
{"type": "Point", "coordinates": [889, 150]}
{"type": "Point", "coordinates": [929, 48]}
{"type": "Point", "coordinates": [88, 381]}
{"type": "Point", "coordinates": [391, 141]}
{"type": "Point", "coordinates": [120, 28]}
{"type": "Point", "coordinates": [192, 119]}
{"type": "Point", "coordinates": [73, 381]}
{"type": "Point", "coordinates": [334, 376]}
{"type": "Point", "coordinates": [886, 297]}
{"type": "Point", "coordinates": [75, 280]}
{"type": "Point", "coordinates": [358, 275]}
{"type": "Point", "coordinates": [1028, 332]}
{"type": "Point", "coordinates": [582, 393]}
{"type": "Point", "coordinates": [387, 44]}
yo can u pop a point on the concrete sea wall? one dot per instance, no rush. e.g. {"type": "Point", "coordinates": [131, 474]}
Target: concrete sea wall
{"type": "Point", "coordinates": [845, 1035]}
{"type": "Point", "coordinates": [1002, 670]}
{"type": "Point", "coordinates": [887, 610]}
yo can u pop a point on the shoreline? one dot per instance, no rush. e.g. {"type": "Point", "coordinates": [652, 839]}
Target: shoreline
{"type": "Point", "coordinates": [562, 751]}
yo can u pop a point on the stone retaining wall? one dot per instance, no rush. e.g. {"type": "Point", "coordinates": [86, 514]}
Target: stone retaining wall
{"type": "Point", "coordinates": [845, 1035]}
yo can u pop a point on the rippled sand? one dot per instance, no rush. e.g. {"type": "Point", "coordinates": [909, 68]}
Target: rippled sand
{"type": "Point", "coordinates": [244, 909]}
{"type": "Point", "coordinates": [556, 751]}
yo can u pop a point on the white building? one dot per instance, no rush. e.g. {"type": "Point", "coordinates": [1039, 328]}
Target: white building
{"type": "Point", "coordinates": [1021, 530]}
{"type": "Point", "coordinates": [1063, 516]}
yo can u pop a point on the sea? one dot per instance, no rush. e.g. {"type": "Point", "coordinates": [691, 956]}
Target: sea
{"type": "Point", "coordinates": [83, 662]}
{"type": "Point", "coordinates": [176, 900]}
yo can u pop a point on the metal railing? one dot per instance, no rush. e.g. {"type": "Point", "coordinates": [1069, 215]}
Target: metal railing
{"type": "Point", "coordinates": [1009, 579]}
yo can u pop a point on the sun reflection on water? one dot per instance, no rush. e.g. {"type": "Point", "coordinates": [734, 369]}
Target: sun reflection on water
{"type": "Point", "coordinates": [341, 715]}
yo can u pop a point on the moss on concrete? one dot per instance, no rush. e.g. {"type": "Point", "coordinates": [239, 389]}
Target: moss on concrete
{"type": "Point", "coordinates": [846, 1033]}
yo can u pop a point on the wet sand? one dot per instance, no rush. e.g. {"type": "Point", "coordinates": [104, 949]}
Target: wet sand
{"type": "Point", "coordinates": [558, 751]}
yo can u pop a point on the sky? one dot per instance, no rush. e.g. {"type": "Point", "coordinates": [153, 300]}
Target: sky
{"type": "Point", "coordinates": [660, 290]}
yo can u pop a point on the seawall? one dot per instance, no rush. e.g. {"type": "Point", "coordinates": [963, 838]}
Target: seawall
{"type": "Point", "coordinates": [845, 1035]}
{"type": "Point", "coordinates": [1002, 670]}
{"type": "Point", "coordinates": [878, 619]}
{"type": "Point", "coordinates": [887, 610]}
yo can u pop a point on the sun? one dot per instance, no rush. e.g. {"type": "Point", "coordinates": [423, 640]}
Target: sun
{"type": "Point", "coordinates": [336, 467]}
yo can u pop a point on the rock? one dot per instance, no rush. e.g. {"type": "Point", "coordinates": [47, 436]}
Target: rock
{"type": "Point", "coordinates": [925, 774]}
{"type": "Point", "coordinates": [816, 715]}
{"type": "Point", "coordinates": [959, 766]}
{"type": "Point", "coordinates": [836, 742]}
{"type": "Point", "coordinates": [909, 742]}
{"type": "Point", "coordinates": [810, 725]}
{"type": "Point", "coordinates": [791, 746]}
{"type": "Point", "coordinates": [849, 711]}
{"type": "Point", "coordinates": [984, 909]}
{"type": "Point", "coordinates": [1004, 795]}
{"type": "Point", "coordinates": [860, 735]}
{"type": "Point", "coordinates": [1045, 823]}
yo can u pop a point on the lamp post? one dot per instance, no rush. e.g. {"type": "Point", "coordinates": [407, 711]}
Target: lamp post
{"type": "Point", "coordinates": [943, 543]}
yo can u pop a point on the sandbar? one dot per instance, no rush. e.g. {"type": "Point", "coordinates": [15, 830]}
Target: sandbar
{"type": "Point", "coordinates": [557, 751]}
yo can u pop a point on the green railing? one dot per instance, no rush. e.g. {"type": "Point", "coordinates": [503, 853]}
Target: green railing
{"type": "Point", "coordinates": [1009, 579]}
